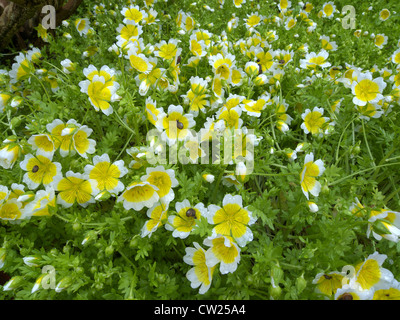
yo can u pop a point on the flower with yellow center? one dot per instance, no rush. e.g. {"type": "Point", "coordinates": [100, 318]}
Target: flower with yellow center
{"type": "Point", "coordinates": [157, 217]}
{"type": "Point", "coordinates": [152, 111]}
{"type": "Point", "coordinates": [100, 93]}
{"type": "Point", "coordinates": [328, 283]}
{"type": "Point", "coordinates": [327, 44]}
{"type": "Point", "coordinates": [232, 219]}
{"type": "Point", "coordinates": [264, 59]}
{"type": "Point", "coordinates": [283, 57]}
{"type": "Point", "coordinates": [188, 23]}
{"type": "Point", "coordinates": [21, 69]}
{"type": "Point", "coordinates": [62, 133]}
{"type": "Point", "coordinates": [43, 144]}
{"type": "Point", "coordinates": [238, 3]}
{"type": "Point", "coordinates": [217, 88]}
{"type": "Point", "coordinates": [40, 170]}
{"type": "Point", "coordinates": [191, 151]}
{"type": "Point", "coordinates": [81, 142]}
{"type": "Point", "coordinates": [284, 5]}
{"type": "Point", "coordinates": [104, 175]}
{"type": "Point", "coordinates": [212, 129]}
{"type": "Point", "coordinates": [186, 218]}
{"type": "Point", "coordinates": [203, 35]}
{"type": "Point", "coordinates": [234, 100]}
{"type": "Point", "coordinates": [175, 125]}
{"type": "Point", "coordinates": [310, 171]}
{"type": "Point", "coordinates": [128, 31]}
{"type": "Point", "coordinates": [105, 71]}
{"type": "Point", "coordinates": [353, 292]}
{"type": "Point", "coordinates": [139, 195]}
{"type": "Point", "coordinates": [370, 273]}
{"type": "Point", "coordinates": [74, 187]}
{"type": "Point", "coordinates": [139, 61]}
{"type": "Point", "coordinates": [254, 107]}
{"type": "Point", "coordinates": [231, 117]}
{"type": "Point", "coordinates": [380, 40]}
{"type": "Point", "coordinates": [251, 68]}
{"type": "Point", "coordinates": [367, 90]}
{"type": "Point", "coordinates": [18, 192]}
{"type": "Point", "coordinates": [82, 26]}
{"type": "Point", "coordinates": [40, 206]}
{"type": "Point", "coordinates": [151, 17]}
{"type": "Point", "coordinates": [175, 69]}
{"type": "Point", "coordinates": [389, 292]}
{"type": "Point", "coordinates": [280, 110]}
{"type": "Point", "coordinates": [314, 122]}
{"type": "Point", "coordinates": [197, 95]}
{"type": "Point", "coordinates": [253, 20]}
{"type": "Point", "coordinates": [4, 98]}
{"type": "Point", "coordinates": [384, 223]}
{"type": "Point", "coordinates": [223, 250]}
{"type": "Point", "coordinates": [308, 7]}
{"type": "Point", "coordinates": [384, 14]}
{"type": "Point", "coordinates": [370, 110]}
{"type": "Point", "coordinates": [197, 47]}
{"type": "Point", "coordinates": [11, 209]}
{"type": "Point", "coordinates": [328, 10]}
{"type": "Point", "coordinates": [164, 180]}
{"type": "Point", "coordinates": [222, 65]}
{"type": "Point", "coordinates": [168, 50]}
{"type": "Point", "coordinates": [68, 66]}
{"type": "Point", "coordinates": [208, 177]}
{"type": "Point", "coordinates": [313, 60]}
{"type": "Point", "coordinates": [133, 13]}
{"type": "Point", "coordinates": [357, 209]}
{"type": "Point", "coordinates": [42, 33]}
{"type": "Point", "coordinates": [10, 153]}
{"type": "Point", "coordinates": [396, 57]}
{"type": "Point", "coordinates": [290, 23]}
{"type": "Point", "coordinates": [155, 77]}
{"type": "Point", "coordinates": [3, 192]}
{"type": "Point", "coordinates": [200, 275]}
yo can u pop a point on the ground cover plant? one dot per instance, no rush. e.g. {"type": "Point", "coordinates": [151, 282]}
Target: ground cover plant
{"type": "Point", "coordinates": [113, 184]}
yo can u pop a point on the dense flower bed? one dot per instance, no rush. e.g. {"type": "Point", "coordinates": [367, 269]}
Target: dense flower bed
{"type": "Point", "coordinates": [229, 149]}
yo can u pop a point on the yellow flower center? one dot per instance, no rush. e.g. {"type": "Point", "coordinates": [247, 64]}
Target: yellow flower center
{"type": "Point", "coordinates": [106, 175]}
{"type": "Point", "coordinates": [366, 90]}
{"type": "Point", "coordinates": [314, 122]}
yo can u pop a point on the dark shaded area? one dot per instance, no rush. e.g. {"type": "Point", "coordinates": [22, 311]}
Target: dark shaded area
{"type": "Point", "coordinates": [18, 19]}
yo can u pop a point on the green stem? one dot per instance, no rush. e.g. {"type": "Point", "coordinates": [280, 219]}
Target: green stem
{"type": "Point", "coordinates": [290, 266]}
{"type": "Point", "coordinates": [362, 171]}
{"type": "Point", "coordinates": [273, 134]}
{"type": "Point", "coordinates": [390, 196]}
{"type": "Point", "coordinates": [66, 76]}
{"type": "Point", "coordinates": [394, 158]}
{"type": "Point", "coordinates": [275, 174]}
{"type": "Point", "coordinates": [340, 140]}
{"type": "Point", "coordinates": [44, 88]}
{"type": "Point", "coordinates": [385, 158]}
{"type": "Point", "coordinates": [124, 148]}
{"type": "Point", "coordinates": [123, 123]}
{"type": "Point", "coordinates": [367, 144]}
{"type": "Point", "coordinates": [127, 259]}
{"type": "Point", "coordinates": [217, 184]}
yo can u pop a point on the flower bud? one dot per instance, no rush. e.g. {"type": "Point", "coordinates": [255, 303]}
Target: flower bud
{"type": "Point", "coordinates": [63, 284]}
{"type": "Point", "coordinates": [13, 283]}
{"type": "Point", "coordinates": [301, 284]}
{"type": "Point", "coordinates": [3, 252]}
